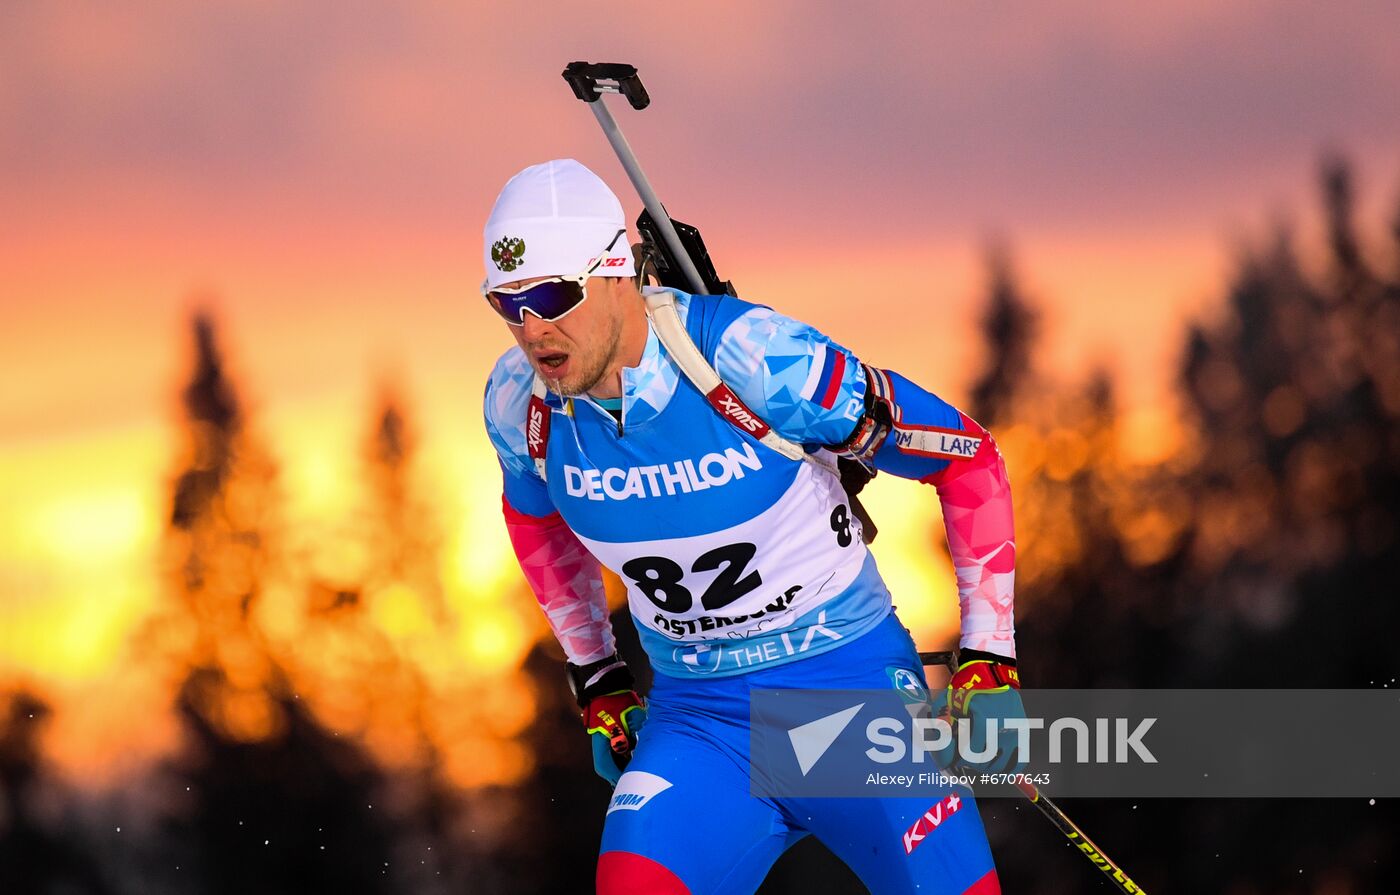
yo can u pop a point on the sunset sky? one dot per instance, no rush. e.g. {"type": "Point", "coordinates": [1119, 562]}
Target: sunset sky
{"type": "Point", "coordinates": [319, 173]}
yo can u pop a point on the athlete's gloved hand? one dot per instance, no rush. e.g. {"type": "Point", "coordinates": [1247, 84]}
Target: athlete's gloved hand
{"type": "Point", "coordinates": [613, 713]}
{"type": "Point", "coordinates": [984, 686]}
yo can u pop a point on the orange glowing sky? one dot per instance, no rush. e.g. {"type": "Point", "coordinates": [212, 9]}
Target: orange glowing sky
{"type": "Point", "coordinates": [319, 174]}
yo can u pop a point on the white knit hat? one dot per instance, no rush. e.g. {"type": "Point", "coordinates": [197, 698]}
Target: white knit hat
{"type": "Point", "coordinates": [551, 220]}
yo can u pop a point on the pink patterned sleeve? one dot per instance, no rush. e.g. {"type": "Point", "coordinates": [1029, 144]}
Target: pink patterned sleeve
{"type": "Point", "coordinates": [567, 581]}
{"type": "Point", "coordinates": [976, 499]}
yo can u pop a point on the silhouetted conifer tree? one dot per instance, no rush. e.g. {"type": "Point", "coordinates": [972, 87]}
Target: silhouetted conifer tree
{"type": "Point", "coordinates": [1294, 484]}
{"type": "Point", "coordinates": [272, 801]}
{"type": "Point", "coordinates": [41, 849]}
{"type": "Point", "coordinates": [1293, 555]}
{"type": "Point", "coordinates": [1009, 327]}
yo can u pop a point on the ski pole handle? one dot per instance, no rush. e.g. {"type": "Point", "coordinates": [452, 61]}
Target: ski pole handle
{"type": "Point", "coordinates": [584, 78]}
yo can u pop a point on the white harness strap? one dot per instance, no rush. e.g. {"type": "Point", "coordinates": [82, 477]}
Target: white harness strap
{"type": "Point", "coordinates": [661, 308]}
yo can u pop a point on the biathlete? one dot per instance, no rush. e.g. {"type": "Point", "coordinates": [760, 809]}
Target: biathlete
{"type": "Point", "coordinates": [744, 562]}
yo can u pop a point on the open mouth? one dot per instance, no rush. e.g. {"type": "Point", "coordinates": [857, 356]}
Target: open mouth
{"type": "Point", "coordinates": [552, 361]}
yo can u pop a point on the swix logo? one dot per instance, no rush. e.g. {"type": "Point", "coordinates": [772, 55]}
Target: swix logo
{"type": "Point", "coordinates": [537, 427]}
{"type": "Point", "coordinates": [613, 262]}
{"type": "Point", "coordinates": [729, 405]}
{"type": "Point", "coordinates": [930, 821]}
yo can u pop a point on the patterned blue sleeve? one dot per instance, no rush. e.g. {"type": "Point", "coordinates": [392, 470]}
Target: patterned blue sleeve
{"type": "Point", "coordinates": [808, 388]}
{"type": "Point", "coordinates": [505, 404]}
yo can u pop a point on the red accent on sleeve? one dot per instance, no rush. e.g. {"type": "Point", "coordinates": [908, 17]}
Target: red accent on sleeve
{"type": "Point", "coordinates": [567, 581]}
{"type": "Point", "coordinates": [975, 494]}
{"type": "Point", "coordinates": [833, 385]}
{"type": "Point", "coordinates": [515, 517]}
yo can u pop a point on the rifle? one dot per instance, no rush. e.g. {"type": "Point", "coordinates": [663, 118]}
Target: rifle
{"type": "Point", "coordinates": [672, 249]}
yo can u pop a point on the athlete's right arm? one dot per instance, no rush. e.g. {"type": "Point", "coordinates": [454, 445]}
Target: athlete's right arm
{"type": "Point", "coordinates": [566, 579]}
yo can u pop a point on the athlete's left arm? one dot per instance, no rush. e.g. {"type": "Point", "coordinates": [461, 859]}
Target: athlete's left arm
{"type": "Point", "coordinates": [815, 392]}
{"type": "Point", "coordinates": [911, 432]}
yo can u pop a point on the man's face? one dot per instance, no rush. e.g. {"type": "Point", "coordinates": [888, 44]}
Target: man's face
{"type": "Point", "coordinates": [574, 352]}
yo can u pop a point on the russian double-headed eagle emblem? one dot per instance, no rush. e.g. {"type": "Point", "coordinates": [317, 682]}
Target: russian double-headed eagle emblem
{"type": "Point", "coordinates": [508, 252]}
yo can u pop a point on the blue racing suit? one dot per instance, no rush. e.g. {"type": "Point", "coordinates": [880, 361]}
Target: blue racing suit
{"type": "Point", "coordinates": [744, 569]}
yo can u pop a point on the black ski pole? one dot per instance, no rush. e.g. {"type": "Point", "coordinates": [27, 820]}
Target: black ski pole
{"type": "Point", "coordinates": [1077, 838]}
{"type": "Point", "coordinates": [1052, 812]}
